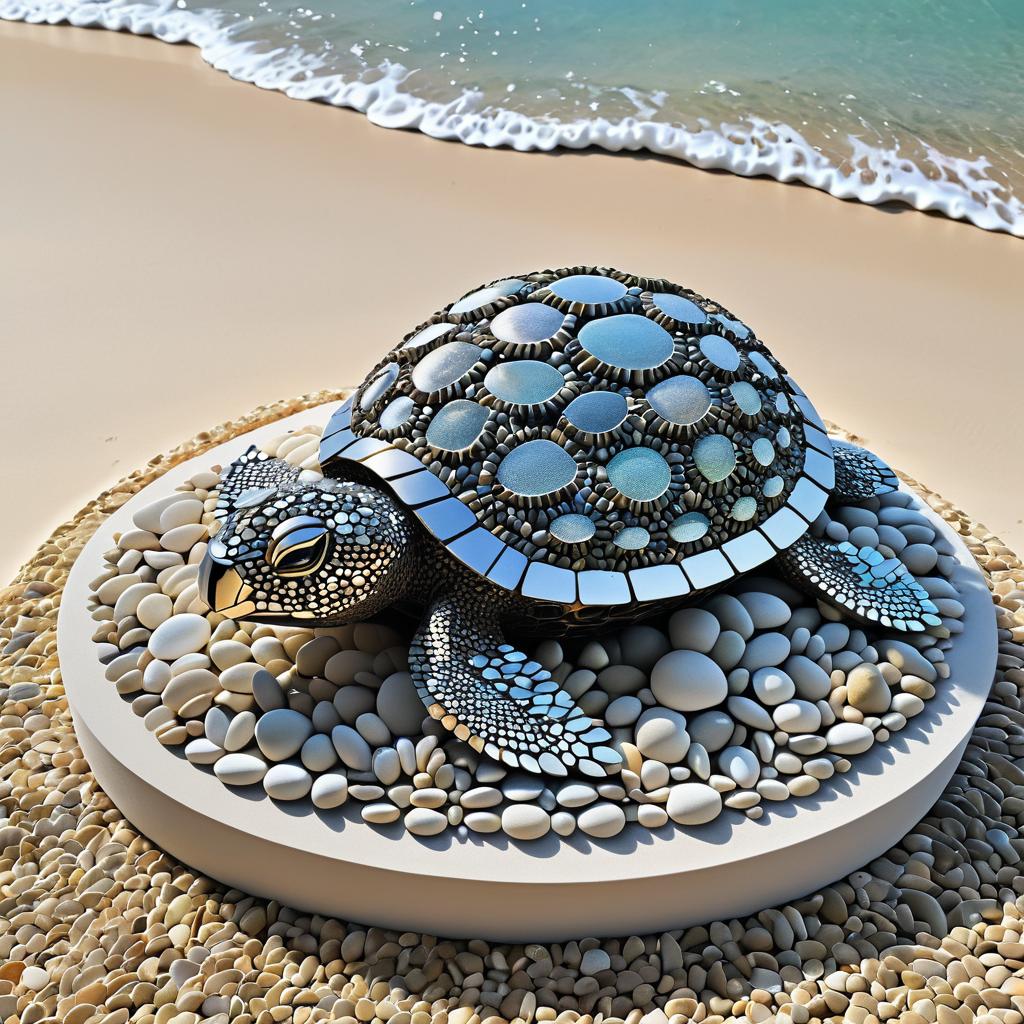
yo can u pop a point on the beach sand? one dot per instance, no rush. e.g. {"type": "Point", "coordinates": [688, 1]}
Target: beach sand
{"type": "Point", "coordinates": [161, 221]}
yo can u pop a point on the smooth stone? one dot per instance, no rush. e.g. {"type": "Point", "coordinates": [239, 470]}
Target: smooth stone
{"type": "Point", "coordinates": [351, 748]}
{"type": "Point", "coordinates": [197, 682]}
{"type": "Point", "coordinates": [575, 794]}
{"type": "Point", "coordinates": [372, 728]}
{"type": "Point", "coordinates": [741, 765]}
{"type": "Point", "coordinates": [804, 785]}
{"type": "Point", "coordinates": [594, 961]}
{"type": "Point", "coordinates": [687, 680]}
{"type": "Point", "coordinates": [525, 821]}
{"type": "Point", "coordinates": [238, 678]}
{"type": "Point", "coordinates": [867, 690]}
{"type": "Point", "coordinates": [797, 716]}
{"type": "Point", "coordinates": [908, 659]}
{"type": "Point", "coordinates": [920, 559]}
{"type": "Point", "coordinates": [750, 713]}
{"type": "Point", "coordinates": [267, 691]}
{"type": "Point", "coordinates": [651, 815]}
{"type": "Point", "coordinates": [240, 732]}
{"type": "Point", "coordinates": [329, 791]}
{"type": "Point", "coordinates": [661, 734]}
{"type": "Point", "coordinates": [728, 650]}
{"type": "Point", "coordinates": [313, 656]}
{"type": "Point", "coordinates": [711, 729]}
{"type": "Point", "coordinates": [240, 769]}
{"type": "Point", "coordinates": [693, 803]}
{"type": "Point", "coordinates": [849, 738]}
{"type": "Point", "coordinates": [34, 978]}
{"type": "Point", "coordinates": [811, 680]}
{"type": "Point", "coordinates": [154, 610]}
{"type": "Point", "coordinates": [617, 680]}
{"type": "Point", "coordinates": [225, 653]}
{"type": "Point", "coordinates": [520, 786]}
{"type": "Point", "coordinates": [766, 611]}
{"type": "Point", "coordinates": [772, 686]}
{"type": "Point", "coordinates": [215, 725]}
{"type": "Point", "coordinates": [318, 753]}
{"type": "Point", "coordinates": [387, 765]}
{"type": "Point", "coordinates": [773, 789]}
{"type": "Point", "coordinates": [182, 538]}
{"type": "Point", "coordinates": [907, 704]}
{"type": "Point", "coordinates": [765, 650]}
{"type": "Point", "coordinates": [287, 782]}
{"type": "Point", "coordinates": [182, 634]}
{"type": "Point", "coordinates": [731, 614]}
{"type": "Point", "coordinates": [380, 813]}
{"type": "Point", "coordinates": [352, 701]}
{"type": "Point", "coordinates": [563, 824]}
{"type": "Point", "coordinates": [400, 706]}
{"type": "Point", "coordinates": [483, 822]}
{"type": "Point", "coordinates": [281, 733]}
{"type": "Point", "coordinates": [148, 517]}
{"type": "Point", "coordinates": [480, 797]}
{"type": "Point", "coordinates": [422, 821]}
{"type": "Point", "coordinates": [203, 751]}
{"type": "Point", "coordinates": [642, 646]}
{"type": "Point", "coordinates": [623, 711]}
{"type": "Point", "coordinates": [693, 629]}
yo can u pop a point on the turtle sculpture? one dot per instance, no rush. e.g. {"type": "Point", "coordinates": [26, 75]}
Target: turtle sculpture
{"type": "Point", "coordinates": [557, 449]}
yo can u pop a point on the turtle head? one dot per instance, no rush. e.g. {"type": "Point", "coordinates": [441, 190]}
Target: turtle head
{"type": "Point", "coordinates": [303, 552]}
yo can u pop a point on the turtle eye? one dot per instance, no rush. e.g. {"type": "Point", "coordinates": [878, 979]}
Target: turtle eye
{"type": "Point", "coordinates": [298, 546]}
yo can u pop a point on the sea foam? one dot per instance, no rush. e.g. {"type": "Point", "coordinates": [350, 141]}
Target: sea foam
{"type": "Point", "coordinates": [956, 187]}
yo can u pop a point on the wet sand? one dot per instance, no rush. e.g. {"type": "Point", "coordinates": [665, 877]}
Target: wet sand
{"type": "Point", "coordinates": [163, 223]}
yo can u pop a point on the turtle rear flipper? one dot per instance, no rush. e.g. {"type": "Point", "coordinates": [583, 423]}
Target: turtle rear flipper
{"type": "Point", "coordinates": [498, 700]}
{"type": "Point", "coordinates": [861, 582]}
{"type": "Point", "coordinates": [860, 474]}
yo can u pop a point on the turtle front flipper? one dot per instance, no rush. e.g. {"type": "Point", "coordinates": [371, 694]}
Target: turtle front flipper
{"type": "Point", "coordinates": [495, 698]}
{"type": "Point", "coordinates": [860, 474]}
{"type": "Point", "coordinates": [860, 582]}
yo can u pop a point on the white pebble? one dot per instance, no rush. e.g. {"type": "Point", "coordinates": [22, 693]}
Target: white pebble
{"type": "Point", "coordinates": [796, 716]}
{"type": "Point", "coordinates": [422, 821]}
{"type": "Point", "coordinates": [661, 734]}
{"type": "Point", "coordinates": [688, 681]}
{"type": "Point", "coordinates": [693, 803]}
{"type": "Point", "coordinates": [329, 791]}
{"type": "Point", "coordinates": [849, 738]}
{"type": "Point", "coordinates": [281, 733]}
{"type": "Point", "coordinates": [525, 821]}
{"type": "Point", "coordinates": [287, 782]}
{"type": "Point", "coordinates": [240, 769]}
{"type": "Point", "coordinates": [179, 635]}
{"type": "Point", "coordinates": [741, 765]}
{"type": "Point", "coordinates": [602, 820]}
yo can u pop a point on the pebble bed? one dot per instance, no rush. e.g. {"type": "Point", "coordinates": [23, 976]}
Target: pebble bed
{"type": "Point", "coordinates": [97, 924]}
{"type": "Point", "coordinates": [753, 696]}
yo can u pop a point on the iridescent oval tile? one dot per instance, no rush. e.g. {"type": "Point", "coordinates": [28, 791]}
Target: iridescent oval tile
{"type": "Point", "coordinates": [588, 289]}
{"type": "Point", "coordinates": [747, 397]}
{"type": "Point", "coordinates": [641, 474]}
{"type": "Point", "coordinates": [627, 341]}
{"type": "Point", "coordinates": [720, 351]}
{"type": "Point", "coordinates": [762, 363]}
{"type": "Point", "coordinates": [682, 400]}
{"type": "Point", "coordinates": [572, 528]}
{"type": "Point", "coordinates": [378, 387]}
{"type": "Point", "coordinates": [680, 309]}
{"type": "Point", "coordinates": [527, 324]}
{"type": "Point", "coordinates": [741, 330]}
{"type": "Point", "coordinates": [536, 468]}
{"type": "Point", "coordinates": [597, 412]}
{"type": "Point", "coordinates": [429, 334]}
{"type": "Point", "coordinates": [445, 366]}
{"type": "Point", "coordinates": [689, 527]}
{"type": "Point", "coordinates": [483, 298]}
{"type": "Point", "coordinates": [763, 451]}
{"type": "Point", "coordinates": [632, 538]}
{"type": "Point", "coordinates": [714, 456]}
{"type": "Point", "coordinates": [782, 403]}
{"type": "Point", "coordinates": [784, 437]}
{"type": "Point", "coordinates": [773, 486]}
{"type": "Point", "coordinates": [456, 425]}
{"type": "Point", "coordinates": [524, 381]}
{"type": "Point", "coordinates": [396, 413]}
{"type": "Point", "coordinates": [744, 508]}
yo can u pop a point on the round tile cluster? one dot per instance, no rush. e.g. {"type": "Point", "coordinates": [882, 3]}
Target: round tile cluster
{"type": "Point", "coordinates": [755, 695]}
{"type": "Point", "coordinates": [96, 924]}
{"type": "Point", "coordinates": [593, 419]}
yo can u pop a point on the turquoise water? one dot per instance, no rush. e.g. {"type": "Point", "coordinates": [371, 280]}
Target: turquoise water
{"type": "Point", "coordinates": [920, 102]}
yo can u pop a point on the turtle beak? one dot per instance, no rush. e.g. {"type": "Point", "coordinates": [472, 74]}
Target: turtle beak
{"type": "Point", "coordinates": [223, 589]}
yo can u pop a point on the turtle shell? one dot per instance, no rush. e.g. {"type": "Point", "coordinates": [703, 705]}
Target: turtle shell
{"type": "Point", "coordinates": [590, 437]}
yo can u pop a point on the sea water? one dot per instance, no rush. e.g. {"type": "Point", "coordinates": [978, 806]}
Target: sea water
{"type": "Point", "coordinates": [909, 101]}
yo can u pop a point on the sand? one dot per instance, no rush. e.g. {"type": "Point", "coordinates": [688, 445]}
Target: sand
{"type": "Point", "coordinates": [241, 247]}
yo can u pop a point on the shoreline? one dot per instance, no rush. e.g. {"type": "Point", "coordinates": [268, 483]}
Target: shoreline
{"type": "Point", "coordinates": [242, 248]}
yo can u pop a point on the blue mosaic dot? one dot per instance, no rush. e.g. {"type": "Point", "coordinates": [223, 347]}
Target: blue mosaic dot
{"type": "Point", "coordinates": [632, 538]}
{"type": "Point", "coordinates": [681, 310]}
{"type": "Point", "coordinates": [741, 330]}
{"type": "Point", "coordinates": [396, 413]}
{"type": "Point", "coordinates": [761, 362]}
{"type": "Point", "coordinates": [720, 351]}
{"type": "Point", "coordinates": [429, 333]}
{"type": "Point", "coordinates": [597, 412]}
{"type": "Point", "coordinates": [744, 508]}
{"type": "Point", "coordinates": [485, 296]}
{"type": "Point", "coordinates": [526, 324]}
{"type": "Point", "coordinates": [456, 425]}
{"type": "Point", "coordinates": [764, 451]}
{"type": "Point", "coordinates": [683, 400]}
{"type": "Point", "coordinates": [747, 397]}
{"type": "Point", "coordinates": [773, 486]}
{"type": "Point", "coordinates": [536, 468]}
{"type": "Point", "coordinates": [782, 403]}
{"type": "Point", "coordinates": [689, 527]}
{"type": "Point", "coordinates": [572, 528]}
{"type": "Point", "coordinates": [714, 456]}
{"type": "Point", "coordinates": [639, 473]}
{"type": "Point", "coordinates": [784, 437]}
{"type": "Point", "coordinates": [378, 387]}
{"type": "Point", "coordinates": [588, 288]}
{"type": "Point", "coordinates": [445, 365]}
{"type": "Point", "coordinates": [627, 341]}
{"type": "Point", "coordinates": [526, 382]}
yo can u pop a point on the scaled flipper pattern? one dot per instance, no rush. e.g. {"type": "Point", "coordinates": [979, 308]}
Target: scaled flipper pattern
{"type": "Point", "coordinates": [498, 700]}
{"type": "Point", "coordinates": [860, 474]}
{"type": "Point", "coordinates": [861, 582]}
{"type": "Point", "coordinates": [251, 479]}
